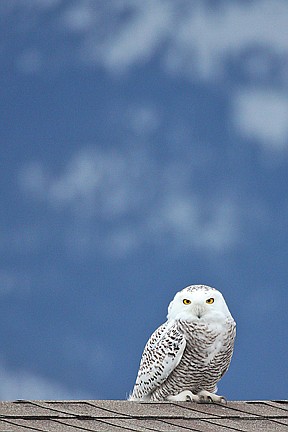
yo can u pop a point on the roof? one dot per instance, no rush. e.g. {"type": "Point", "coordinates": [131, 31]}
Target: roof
{"type": "Point", "coordinates": [113, 416]}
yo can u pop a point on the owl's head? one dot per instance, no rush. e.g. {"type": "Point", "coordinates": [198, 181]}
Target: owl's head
{"type": "Point", "coordinates": [198, 302]}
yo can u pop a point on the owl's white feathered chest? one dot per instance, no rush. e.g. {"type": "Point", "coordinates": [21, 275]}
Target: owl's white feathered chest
{"type": "Point", "coordinates": [207, 355]}
{"type": "Point", "coordinates": [204, 340]}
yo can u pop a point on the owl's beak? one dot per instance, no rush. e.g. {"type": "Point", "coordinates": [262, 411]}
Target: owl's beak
{"type": "Point", "coordinates": [198, 311]}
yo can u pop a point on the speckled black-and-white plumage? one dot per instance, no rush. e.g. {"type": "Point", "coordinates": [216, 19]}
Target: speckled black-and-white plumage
{"type": "Point", "coordinates": [188, 354]}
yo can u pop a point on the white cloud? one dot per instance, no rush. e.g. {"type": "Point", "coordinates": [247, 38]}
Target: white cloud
{"type": "Point", "coordinates": [79, 17]}
{"type": "Point", "coordinates": [262, 115]}
{"type": "Point", "coordinates": [194, 224]}
{"type": "Point", "coordinates": [195, 37]}
{"type": "Point", "coordinates": [136, 40]}
{"type": "Point", "coordinates": [203, 37]}
{"type": "Point", "coordinates": [21, 384]}
{"type": "Point", "coordinates": [135, 202]}
{"type": "Point", "coordinates": [195, 40]}
{"type": "Point", "coordinates": [142, 119]}
{"type": "Point", "coordinates": [105, 183]}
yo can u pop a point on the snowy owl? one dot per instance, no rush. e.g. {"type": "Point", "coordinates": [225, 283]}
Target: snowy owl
{"type": "Point", "coordinates": [187, 355]}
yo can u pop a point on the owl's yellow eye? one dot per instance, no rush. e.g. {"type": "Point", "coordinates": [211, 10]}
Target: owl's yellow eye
{"type": "Point", "coordinates": [210, 300]}
{"type": "Point", "coordinates": [186, 301]}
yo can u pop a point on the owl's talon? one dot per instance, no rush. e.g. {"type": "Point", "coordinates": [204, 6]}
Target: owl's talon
{"type": "Point", "coordinates": [184, 396]}
{"type": "Point", "coordinates": [207, 397]}
{"type": "Point", "coordinates": [204, 399]}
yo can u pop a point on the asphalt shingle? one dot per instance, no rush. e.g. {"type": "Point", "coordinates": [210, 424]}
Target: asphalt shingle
{"type": "Point", "coordinates": [113, 416]}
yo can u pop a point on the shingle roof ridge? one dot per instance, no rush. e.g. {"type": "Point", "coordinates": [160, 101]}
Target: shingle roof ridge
{"type": "Point", "coordinates": [118, 414]}
{"type": "Point", "coordinates": [249, 415]}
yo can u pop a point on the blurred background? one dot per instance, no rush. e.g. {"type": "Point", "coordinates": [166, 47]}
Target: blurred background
{"type": "Point", "coordinates": [144, 148]}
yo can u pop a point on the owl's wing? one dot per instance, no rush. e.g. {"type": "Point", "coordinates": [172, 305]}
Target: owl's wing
{"type": "Point", "coordinates": [226, 350]}
{"type": "Point", "coordinates": [160, 357]}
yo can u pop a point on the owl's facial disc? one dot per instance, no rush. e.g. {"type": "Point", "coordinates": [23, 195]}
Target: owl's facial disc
{"type": "Point", "coordinates": [198, 307]}
{"type": "Point", "coordinates": [201, 302]}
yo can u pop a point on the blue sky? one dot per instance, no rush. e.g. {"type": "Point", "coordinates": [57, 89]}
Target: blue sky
{"type": "Point", "coordinates": [144, 149]}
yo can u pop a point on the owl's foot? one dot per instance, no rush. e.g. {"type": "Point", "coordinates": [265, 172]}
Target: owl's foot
{"type": "Point", "coordinates": [207, 397]}
{"type": "Point", "coordinates": [184, 396]}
